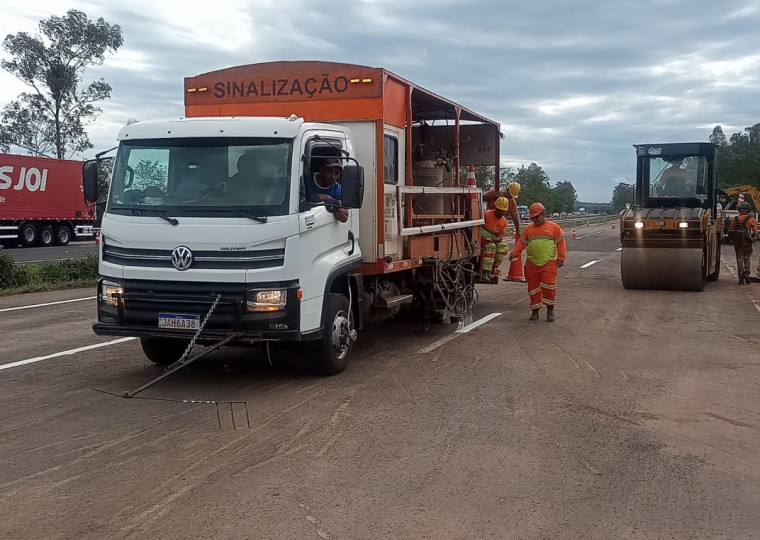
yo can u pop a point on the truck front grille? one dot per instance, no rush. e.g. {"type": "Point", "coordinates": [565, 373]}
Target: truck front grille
{"type": "Point", "coordinates": [202, 260]}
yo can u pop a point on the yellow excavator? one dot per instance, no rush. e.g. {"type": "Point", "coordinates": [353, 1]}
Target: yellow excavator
{"type": "Point", "coordinates": [729, 200]}
{"type": "Point", "coordinates": [671, 235]}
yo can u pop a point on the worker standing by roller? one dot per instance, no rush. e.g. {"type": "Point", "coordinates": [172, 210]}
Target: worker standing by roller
{"type": "Point", "coordinates": [546, 253]}
{"type": "Point", "coordinates": [492, 238]}
{"type": "Point", "coordinates": [742, 231]}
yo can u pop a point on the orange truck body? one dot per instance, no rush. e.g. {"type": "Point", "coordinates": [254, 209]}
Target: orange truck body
{"type": "Point", "coordinates": [345, 93]}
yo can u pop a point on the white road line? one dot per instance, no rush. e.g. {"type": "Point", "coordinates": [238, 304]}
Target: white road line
{"type": "Point", "coordinates": [437, 344]}
{"type": "Point", "coordinates": [475, 324]}
{"type": "Point", "coordinates": [48, 304]}
{"type": "Point", "coordinates": [619, 249]}
{"type": "Point", "coordinates": [456, 334]}
{"type": "Point", "coordinates": [64, 353]}
{"type": "Point", "coordinates": [757, 307]}
{"type": "Point", "coordinates": [589, 264]}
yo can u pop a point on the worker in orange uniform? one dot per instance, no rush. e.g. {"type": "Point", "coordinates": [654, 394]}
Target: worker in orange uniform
{"type": "Point", "coordinates": [492, 238]}
{"type": "Point", "coordinates": [546, 253]}
{"type": "Point", "coordinates": [744, 229]}
{"type": "Point", "coordinates": [513, 189]}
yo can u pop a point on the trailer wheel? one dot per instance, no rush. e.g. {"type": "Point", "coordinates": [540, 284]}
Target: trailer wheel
{"type": "Point", "coordinates": [27, 233]}
{"type": "Point", "coordinates": [45, 236]}
{"type": "Point", "coordinates": [331, 356]}
{"type": "Point", "coordinates": [62, 235]}
{"type": "Point", "coordinates": [163, 351]}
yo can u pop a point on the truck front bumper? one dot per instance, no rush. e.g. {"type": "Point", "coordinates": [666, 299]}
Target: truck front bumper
{"type": "Point", "coordinates": [135, 311]}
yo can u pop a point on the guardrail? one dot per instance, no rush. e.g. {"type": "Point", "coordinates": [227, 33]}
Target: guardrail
{"type": "Point", "coordinates": [583, 221]}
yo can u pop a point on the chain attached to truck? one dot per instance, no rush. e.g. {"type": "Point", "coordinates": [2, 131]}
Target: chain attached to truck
{"type": "Point", "coordinates": [184, 360]}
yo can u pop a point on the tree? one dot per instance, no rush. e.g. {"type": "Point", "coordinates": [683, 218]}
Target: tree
{"type": "Point", "coordinates": [739, 158]}
{"type": "Point", "coordinates": [564, 197]}
{"type": "Point", "coordinates": [622, 194]}
{"type": "Point", "coordinates": [51, 118]}
{"type": "Point", "coordinates": [718, 138]}
{"type": "Point", "coordinates": [150, 173]}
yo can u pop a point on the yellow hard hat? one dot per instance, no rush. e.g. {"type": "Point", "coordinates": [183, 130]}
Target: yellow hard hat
{"type": "Point", "coordinates": [514, 189]}
{"type": "Point", "coordinates": [502, 203]}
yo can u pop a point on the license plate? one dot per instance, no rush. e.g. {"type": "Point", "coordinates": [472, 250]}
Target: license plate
{"type": "Point", "coordinates": [179, 321]}
{"type": "Point", "coordinates": [660, 223]}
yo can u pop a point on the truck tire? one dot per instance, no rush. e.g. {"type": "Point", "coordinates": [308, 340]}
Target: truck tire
{"type": "Point", "coordinates": [62, 235]}
{"type": "Point", "coordinates": [27, 234]}
{"type": "Point", "coordinates": [330, 357]}
{"type": "Point", "coordinates": [45, 236]}
{"type": "Point", "coordinates": [163, 351]}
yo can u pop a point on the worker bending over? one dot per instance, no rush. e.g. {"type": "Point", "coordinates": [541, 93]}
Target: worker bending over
{"type": "Point", "coordinates": [742, 232]}
{"type": "Point", "coordinates": [511, 193]}
{"type": "Point", "coordinates": [546, 253]}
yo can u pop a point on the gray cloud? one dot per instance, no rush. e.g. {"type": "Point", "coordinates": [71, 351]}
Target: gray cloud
{"type": "Point", "coordinates": [574, 84]}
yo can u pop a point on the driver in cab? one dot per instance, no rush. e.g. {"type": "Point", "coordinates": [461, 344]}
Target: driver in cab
{"type": "Point", "coordinates": [323, 186]}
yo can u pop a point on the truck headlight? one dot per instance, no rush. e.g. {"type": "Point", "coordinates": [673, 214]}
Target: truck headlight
{"type": "Point", "coordinates": [683, 225]}
{"type": "Point", "coordinates": [110, 292]}
{"type": "Point", "coordinates": [258, 300]}
{"type": "Point", "coordinates": [639, 224]}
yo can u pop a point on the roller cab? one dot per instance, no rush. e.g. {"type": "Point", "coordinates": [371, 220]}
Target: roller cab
{"type": "Point", "coordinates": [670, 236]}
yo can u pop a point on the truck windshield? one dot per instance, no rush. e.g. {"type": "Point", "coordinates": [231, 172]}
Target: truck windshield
{"type": "Point", "coordinates": [197, 177]}
{"type": "Point", "coordinates": [678, 177]}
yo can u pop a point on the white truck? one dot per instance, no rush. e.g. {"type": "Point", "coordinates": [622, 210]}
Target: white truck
{"type": "Point", "coordinates": [195, 249]}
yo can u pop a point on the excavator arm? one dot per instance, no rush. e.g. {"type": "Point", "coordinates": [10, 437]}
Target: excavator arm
{"type": "Point", "coordinates": [750, 191]}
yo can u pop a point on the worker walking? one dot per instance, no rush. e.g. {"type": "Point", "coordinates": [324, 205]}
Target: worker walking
{"type": "Point", "coordinates": [492, 238]}
{"type": "Point", "coordinates": [546, 253]}
{"type": "Point", "coordinates": [742, 231]}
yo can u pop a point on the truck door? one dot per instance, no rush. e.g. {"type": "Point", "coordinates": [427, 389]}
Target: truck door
{"type": "Point", "coordinates": [393, 174]}
{"type": "Point", "coordinates": [326, 245]}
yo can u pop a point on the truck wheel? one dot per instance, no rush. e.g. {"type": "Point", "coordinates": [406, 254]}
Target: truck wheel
{"type": "Point", "coordinates": [62, 235]}
{"type": "Point", "coordinates": [46, 236]}
{"type": "Point", "coordinates": [163, 351]}
{"type": "Point", "coordinates": [28, 234]}
{"type": "Point", "coordinates": [331, 356]}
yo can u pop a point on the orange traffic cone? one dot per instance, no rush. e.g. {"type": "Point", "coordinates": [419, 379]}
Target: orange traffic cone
{"type": "Point", "coordinates": [97, 238]}
{"type": "Point", "coordinates": [515, 271]}
{"type": "Point", "coordinates": [471, 180]}
{"type": "Point", "coordinates": [613, 225]}
{"type": "Point", "coordinates": [574, 233]}
{"type": "Point", "coordinates": [588, 224]}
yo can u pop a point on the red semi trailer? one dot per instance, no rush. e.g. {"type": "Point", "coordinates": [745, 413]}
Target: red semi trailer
{"type": "Point", "coordinates": [41, 202]}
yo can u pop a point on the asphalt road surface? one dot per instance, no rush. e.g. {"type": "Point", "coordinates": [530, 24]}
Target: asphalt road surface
{"type": "Point", "coordinates": [74, 250]}
{"type": "Point", "coordinates": [635, 414]}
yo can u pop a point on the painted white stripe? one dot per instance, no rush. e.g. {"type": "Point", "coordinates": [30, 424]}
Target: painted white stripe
{"type": "Point", "coordinates": [456, 334]}
{"type": "Point", "coordinates": [48, 304]}
{"type": "Point", "coordinates": [619, 249]}
{"type": "Point", "coordinates": [437, 344]}
{"type": "Point", "coordinates": [64, 353]}
{"type": "Point", "coordinates": [589, 264]}
{"type": "Point", "coordinates": [757, 306]}
{"type": "Point", "coordinates": [475, 324]}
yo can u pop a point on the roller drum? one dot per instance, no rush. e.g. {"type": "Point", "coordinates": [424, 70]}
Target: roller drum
{"type": "Point", "coordinates": [676, 269]}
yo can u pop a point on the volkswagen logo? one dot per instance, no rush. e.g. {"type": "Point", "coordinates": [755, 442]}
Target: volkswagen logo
{"type": "Point", "coordinates": [182, 258]}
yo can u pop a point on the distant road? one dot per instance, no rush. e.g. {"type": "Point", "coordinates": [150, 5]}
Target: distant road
{"type": "Point", "coordinates": [74, 250]}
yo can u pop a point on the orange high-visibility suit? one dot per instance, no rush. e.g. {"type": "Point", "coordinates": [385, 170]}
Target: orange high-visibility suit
{"type": "Point", "coordinates": [545, 246]}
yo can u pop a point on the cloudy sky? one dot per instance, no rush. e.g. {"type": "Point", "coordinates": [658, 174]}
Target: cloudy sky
{"type": "Point", "coordinates": [573, 83]}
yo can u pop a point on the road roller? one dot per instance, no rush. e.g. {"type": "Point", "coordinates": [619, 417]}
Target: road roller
{"type": "Point", "coordinates": [671, 235]}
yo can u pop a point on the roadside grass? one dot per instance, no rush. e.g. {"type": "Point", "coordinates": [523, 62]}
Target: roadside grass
{"type": "Point", "coordinates": [17, 278]}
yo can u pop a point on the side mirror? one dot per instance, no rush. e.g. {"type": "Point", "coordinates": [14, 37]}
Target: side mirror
{"type": "Point", "coordinates": [352, 186]}
{"type": "Point", "coordinates": [90, 181]}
